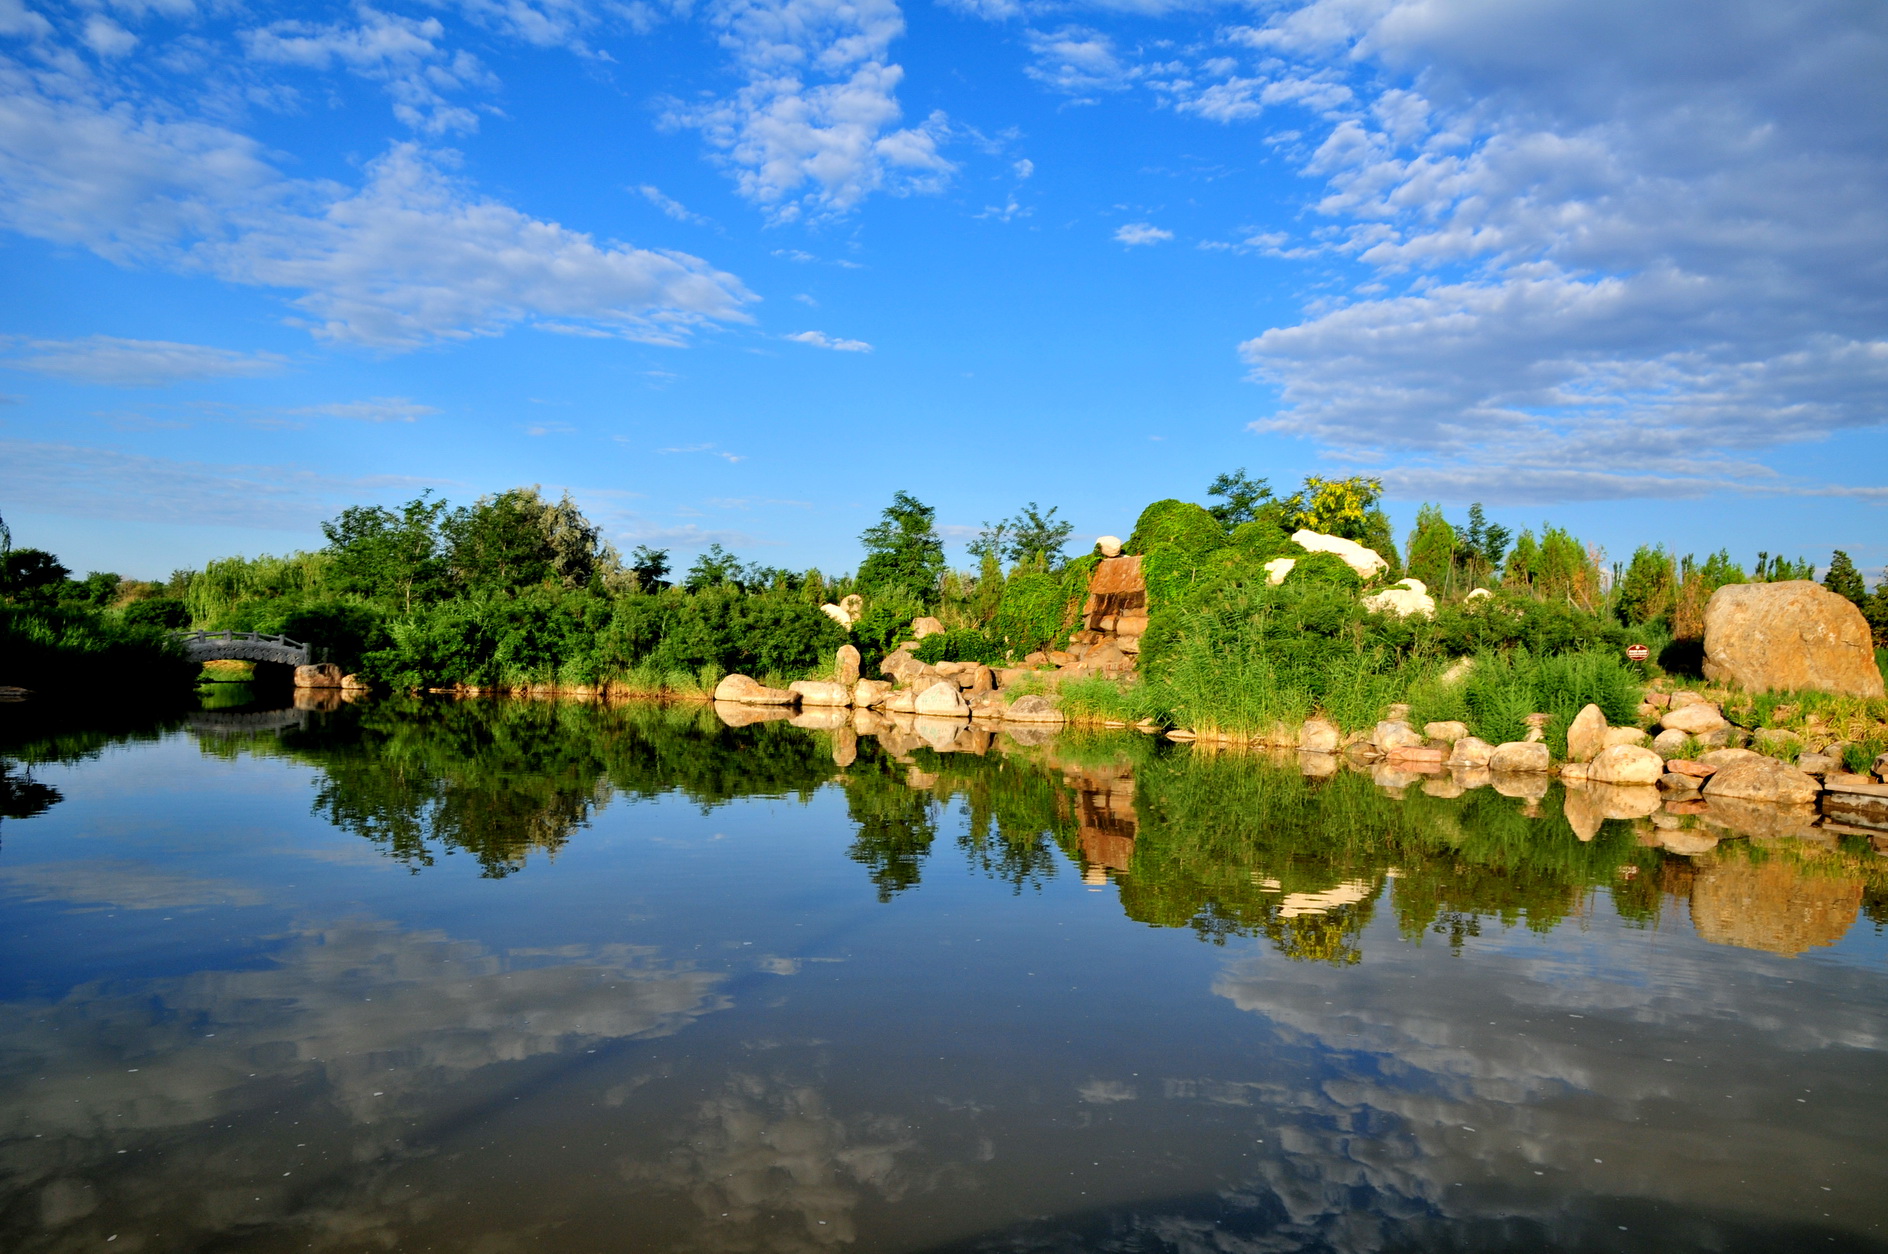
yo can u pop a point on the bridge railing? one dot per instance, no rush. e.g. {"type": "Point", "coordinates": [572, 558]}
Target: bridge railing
{"type": "Point", "coordinates": [235, 637]}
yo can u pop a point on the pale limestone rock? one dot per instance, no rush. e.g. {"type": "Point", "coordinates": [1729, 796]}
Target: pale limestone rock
{"type": "Point", "coordinates": [320, 675]}
{"type": "Point", "coordinates": [1697, 719]}
{"type": "Point", "coordinates": [1675, 782]}
{"type": "Point", "coordinates": [1573, 773]}
{"type": "Point", "coordinates": [1448, 732]}
{"type": "Point", "coordinates": [1670, 743]}
{"type": "Point", "coordinates": [1586, 735]}
{"type": "Point", "coordinates": [1410, 597]}
{"type": "Point", "coordinates": [1366, 562]}
{"type": "Point", "coordinates": [1278, 568]}
{"type": "Point", "coordinates": [820, 692]}
{"type": "Point", "coordinates": [1033, 709]}
{"type": "Point", "coordinates": [837, 614]}
{"type": "Point", "coordinates": [1471, 752]}
{"type": "Point", "coordinates": [1319, 735]}
{"type": "Point", "coordinates": [1110, 546]}
{"type": "Point", "coordinates": [1720, 758]}
{"type": "Point", "coordinates": [1791, 636]}
{"type": "Point", "coordinates": [1626, 764]}
{"type": "Point", "coordinates": [1758, 778]}
{"type": "Point", "coordinates": [1395, 734]}
{"type": "Point", "coordinates": [989, 705]}
{"type": "Point", "coordinates": [922, 627]}
{"type": "Point", "coordinates": [846, 665]}
{"type": "Point", "coordinates": [354, 683]}
{"type": "Point", "coordinates": [1519, 757]}
{"type": "Point", "coordinates": [870, 692]}
{"type": "Point", "coordinates": [941, 700]}
{"type": "Point", "coordinates": [904, 701]}
{"type": "Point", "coordinates": [746, 691]}
{"type": "Point", "coordinates": [1480, 594]}
{"type": "Point", "coordinates": [1627, 736]}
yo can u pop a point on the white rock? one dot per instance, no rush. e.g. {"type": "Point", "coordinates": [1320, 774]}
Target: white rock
{"type": "Point", "coordinates": [1694, 719]}
{"type": "Point", "coordinates": [1364, 561]}
{"type": "Point", "coordinates": [1626, 736]}
{"type": "Point", "coordinates": [1448, 732]}
{"type": "Point", "coordinates": [1278, 568]}
{"type": "Point", "coordinates": [941, 699]}
{"type": "Point", "coordinates": [837, 613]}
{"type": "Point", "coordinates": [1395, 734]}
{"type": "Point", "coordinates": [1406, 598]}
{"type": "Point", "coordinates": [1480, 594]}
{"type": "Point", "coordinates": [870, 692]}
{"type": "Point", "coordinates": [747, 691]}
{"type": "Point", "coordinates": [1319, 735]}
{"type": "Point", "coordinates": [922, 627]}
{"type": "Point", "coordinates": [1669, 744]}
{"type": "Point", "coordinates": [1110, 546]}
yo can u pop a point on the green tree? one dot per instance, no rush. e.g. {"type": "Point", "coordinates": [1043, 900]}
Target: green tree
{"type": "Point", "coordinates": [1648, 590]}
{"type": "Point", "coordinates": [33, 576]}
{"type": "Point", "coordinates": [1243, 496]}
{"type": "Point", "coordinates": [1481, 545]}
{"type": "Point", "coordinates": [517, 540]}
{"type": "Point", "coordinates": [1844, 580]}
{"type": "Point", "coordinates": [1432, 547]}
{"type": "Point", "coordinates": [903, 550]}
{"type": "Point", "coordinates": [651, 568]}
{"type": "Point", "coordinates": [1037, 538]}
{"type": "Point", "coordinates": [387, 556]}
{"type": "Point", "coordinates": [1343, 507]}
{"type": "Point", "coordinates": [715, 568]}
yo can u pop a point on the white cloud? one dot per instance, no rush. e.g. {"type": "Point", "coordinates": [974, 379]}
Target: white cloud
{"type": "Point", "coordinates": [115, 362]}
{"type": "Point", "coordinates": [1078, 60]}
{"type": "Point", "coordinates": [378, 409]}
{"type": "Point", "coordinates": [819, 339]}
{"type": "Point", "coordinates": [668, 204]}
{"type": "Point", "coordinates": [84, 482]}
{"type": "Point", "coordinates": [106, 37]}
{"type": "Point", "coordinates": [815, 128]}
{"type": "Point", "coordinates": [1618, 243]}
{"type": "Point", "coordinates": [410, 257]}
{"type": "Point", "coordinates": [1141, 233]}
{"type": "Point", "coordinates": [709, 449]}
{"type": "Point", "coordinates": [403, 53]}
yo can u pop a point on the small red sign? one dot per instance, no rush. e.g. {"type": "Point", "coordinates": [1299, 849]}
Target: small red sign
{"type": "Point", "coordinates": [1638, 652]}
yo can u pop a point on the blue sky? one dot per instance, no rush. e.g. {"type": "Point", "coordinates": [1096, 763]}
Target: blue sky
{"type": "Point", "coordinates": [735, 272]}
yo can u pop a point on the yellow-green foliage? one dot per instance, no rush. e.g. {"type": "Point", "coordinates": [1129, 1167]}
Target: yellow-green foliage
{"type": "Point", "coordinates": [1039, 609]}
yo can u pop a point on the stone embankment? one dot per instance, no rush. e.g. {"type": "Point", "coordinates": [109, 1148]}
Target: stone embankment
{"type": "Point", "coordinates": [961, 692]}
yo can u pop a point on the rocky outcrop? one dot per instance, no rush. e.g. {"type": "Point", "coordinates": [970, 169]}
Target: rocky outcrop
{"type": "Point", "coordinates": [820, 692]}
{"type": "Point", "coordinates": [846, 665]}
{"type": "Point", "coordinates": [320, 675]}
{"type": "Point", "coordinates": [1586, 735]}
{"type": "Point", "coordinates": [941, 700]}
{"type": "Point", "coordinates": [1757, 778]}
{"type": "Point", "coordinates": [1471, 752]}
{"type": "Point", "coordinates": [1410, 597]}
{"type": "Point", "coordinates": [742, 690]}
{"type": "Point", "coordinates": [1366, 562]}
{"type": "Point", "coordinates": [1626, 764]}
{"type": "Point", "coordinates": [1520, 757]}
{"type": "Point", "coordinates": [1033, 709]}
{"type": "Point", "coordinates": [1114, 618]}
{"type": "Point", "coordinates": [1789, 637]}
{"type": "Point", "coordinates": [1319, 735]}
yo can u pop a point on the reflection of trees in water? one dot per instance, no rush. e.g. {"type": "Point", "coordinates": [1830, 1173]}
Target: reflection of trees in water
{"type": "Point", "coordinates": [500, 779]}
{"type": "Point", "coordinates": [22, 796]}
{"type": "Point", "coordinates": [1224, 845]}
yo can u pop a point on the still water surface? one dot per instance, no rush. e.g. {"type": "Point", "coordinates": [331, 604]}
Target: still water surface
{"type": "Point", "coordinates": [493, 977]}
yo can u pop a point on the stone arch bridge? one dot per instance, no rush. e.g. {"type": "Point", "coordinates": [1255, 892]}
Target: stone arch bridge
{"type": "Point", "coordinates": [243, 646]}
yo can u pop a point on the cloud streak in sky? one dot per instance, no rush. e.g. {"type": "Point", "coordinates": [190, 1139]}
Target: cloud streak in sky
{"type": "Point", "coordinates": [116, 362]}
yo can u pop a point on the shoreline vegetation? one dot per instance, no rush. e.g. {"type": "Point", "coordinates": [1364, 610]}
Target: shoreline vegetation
{"type": "Point", "coordinates": [1245, 633]}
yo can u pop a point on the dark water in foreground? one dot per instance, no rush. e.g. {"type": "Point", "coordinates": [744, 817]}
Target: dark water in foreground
{"type": "Point", "coordinates": [488, 978]}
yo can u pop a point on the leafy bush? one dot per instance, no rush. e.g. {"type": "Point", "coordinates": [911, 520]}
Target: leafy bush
{"type": "Point", "coordinates": [158, 613]}
{"type": "Point", "coordinates": [80, 651]}
{"type": "Point", "coordinates": [962, 645]}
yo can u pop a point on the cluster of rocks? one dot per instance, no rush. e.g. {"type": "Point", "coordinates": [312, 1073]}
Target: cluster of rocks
{"type": "Point", "coordinates": [958, 691]}
{"type": "Point", "coordinates": [328, 675]}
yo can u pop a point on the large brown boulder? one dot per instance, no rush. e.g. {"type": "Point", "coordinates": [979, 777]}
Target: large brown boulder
{"type": "Point", "coordinates": [1758, 778]}
{"type": "Point", "coordinates": [1586, 735]}
{"type": "Point", "coordinates": [1789, 637]}
{"type": "Point", "coordinates": [743, 690]}
{"type": "Point", "coordinates": [320, 675]}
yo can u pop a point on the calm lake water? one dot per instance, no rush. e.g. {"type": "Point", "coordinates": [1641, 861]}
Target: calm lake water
{"type": "Point", "coordinates": [550, 977]}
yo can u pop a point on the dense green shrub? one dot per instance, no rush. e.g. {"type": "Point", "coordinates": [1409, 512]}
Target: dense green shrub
{"type": "Point", "coordinates": [962, 645]}
{"type": "Point", "coordinates": [158, 613]}
{"type": "Point", "coordinates": [75, 650]}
